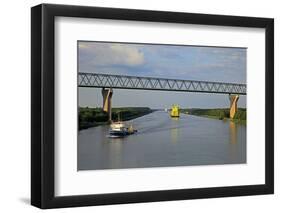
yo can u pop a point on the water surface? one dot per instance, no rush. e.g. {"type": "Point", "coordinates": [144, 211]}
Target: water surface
{"type": "Point", "coordinates": [163, 141]}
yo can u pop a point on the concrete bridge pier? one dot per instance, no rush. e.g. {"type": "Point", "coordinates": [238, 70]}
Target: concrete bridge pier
{"type": "Point", "coordinates": [233, 105]}
{"type": "Point", "coordinates": [107, 95]}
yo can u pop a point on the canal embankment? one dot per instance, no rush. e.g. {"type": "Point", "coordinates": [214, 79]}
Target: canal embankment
{"type": "Point", "coordinates": [91, 117]}
{"type": "Point", "coordinates": [219, 113]}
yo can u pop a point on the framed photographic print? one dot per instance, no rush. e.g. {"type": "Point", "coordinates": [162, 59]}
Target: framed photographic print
{"type": "Point", "coordinates": [139, 106]}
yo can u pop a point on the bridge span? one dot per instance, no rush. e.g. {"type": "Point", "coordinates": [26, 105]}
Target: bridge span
{"type": "Point", "coordinates": [107, 82]}
{"type": "Point", "coordinates": [151, 83]}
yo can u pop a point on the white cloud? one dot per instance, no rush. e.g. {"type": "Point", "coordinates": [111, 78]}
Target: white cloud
{"type": "Point", "coordinates": [112, 54]}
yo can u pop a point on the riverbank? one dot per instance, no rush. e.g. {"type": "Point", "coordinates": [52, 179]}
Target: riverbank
{"type": "Point", "coordinates": [219, 113]}
{"type": "Point", "coordinates": [90, 117]}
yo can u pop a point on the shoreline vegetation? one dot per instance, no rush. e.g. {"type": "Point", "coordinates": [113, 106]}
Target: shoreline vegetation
{"type": "Point", "coordinates": [219, 113]}
{"type": "Point", "coordinates": [91, 117]}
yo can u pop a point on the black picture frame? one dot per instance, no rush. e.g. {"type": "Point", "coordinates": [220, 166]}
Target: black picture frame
{"type": "Point", "coordinates": [43, 110]}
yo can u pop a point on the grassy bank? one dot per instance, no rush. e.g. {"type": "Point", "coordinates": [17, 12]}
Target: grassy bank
{"type": "Point", "coordinates": [219, 113]}
{"type": "Point", "coordinates": [90, 117]}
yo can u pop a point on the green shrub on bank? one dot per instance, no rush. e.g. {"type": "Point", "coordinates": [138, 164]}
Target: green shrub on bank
{"type": "Point", "coordinates": [220, 113]}
{"type": "Point", "coordinates": [240, 115]}
{"type": "Point", "coordinates": [89, 117]}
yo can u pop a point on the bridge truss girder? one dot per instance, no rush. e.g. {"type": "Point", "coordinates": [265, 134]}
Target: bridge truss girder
{"type": "Point", "coordinates": [150, 83]}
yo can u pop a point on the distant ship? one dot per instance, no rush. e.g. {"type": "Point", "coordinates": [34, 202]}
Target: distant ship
{"type": "Point", "coordinates": [175, 111]}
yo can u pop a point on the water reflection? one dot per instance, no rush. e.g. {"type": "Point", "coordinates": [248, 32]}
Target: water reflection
{"type": "Point", "coordinates": [174, 130]}
{"type": "Point", "coordinates": [232, 132]}
{"type": "Point", "coordinates": [174, 135]}
{"type": "Point", "coordinates": [175, 118]}
{"type": "Point", "coordinates": [115, 153]}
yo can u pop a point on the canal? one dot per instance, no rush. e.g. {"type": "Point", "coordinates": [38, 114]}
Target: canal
{"type": "Point", "coordinates": [162, 141]}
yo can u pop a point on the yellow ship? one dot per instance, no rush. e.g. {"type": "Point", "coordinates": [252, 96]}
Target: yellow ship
{"type": "Point", "coordinates": [175, 111]}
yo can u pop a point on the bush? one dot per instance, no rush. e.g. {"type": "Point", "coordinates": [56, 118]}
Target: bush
{"type": "Point", "coordinates": [241, 115]}
{"type": "Point", "coordinates": [220, 113]}
{"type": "Point", "coordinates": [89, 117]}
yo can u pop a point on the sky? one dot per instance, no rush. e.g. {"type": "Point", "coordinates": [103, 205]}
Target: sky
{"type": "Point", "coordinates": [224, 64]}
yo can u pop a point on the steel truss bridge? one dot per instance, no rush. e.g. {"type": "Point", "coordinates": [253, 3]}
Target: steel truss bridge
{"type": "Point", "coordinates": [149, 83]}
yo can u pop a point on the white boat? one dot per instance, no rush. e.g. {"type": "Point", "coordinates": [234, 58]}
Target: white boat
{"type": "Point", "coordinates": [119, 129]}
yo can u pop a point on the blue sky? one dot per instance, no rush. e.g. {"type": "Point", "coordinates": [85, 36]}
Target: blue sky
{"type": "Point", "coordinates": [169, 61]}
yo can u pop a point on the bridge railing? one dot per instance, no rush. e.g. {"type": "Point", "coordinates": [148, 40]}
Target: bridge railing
{"type": "Point", "coordinates": [151, 83]}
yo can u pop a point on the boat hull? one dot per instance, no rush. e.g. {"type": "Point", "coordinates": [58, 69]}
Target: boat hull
{"type": "Point", "coordinates": [118, 133]}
